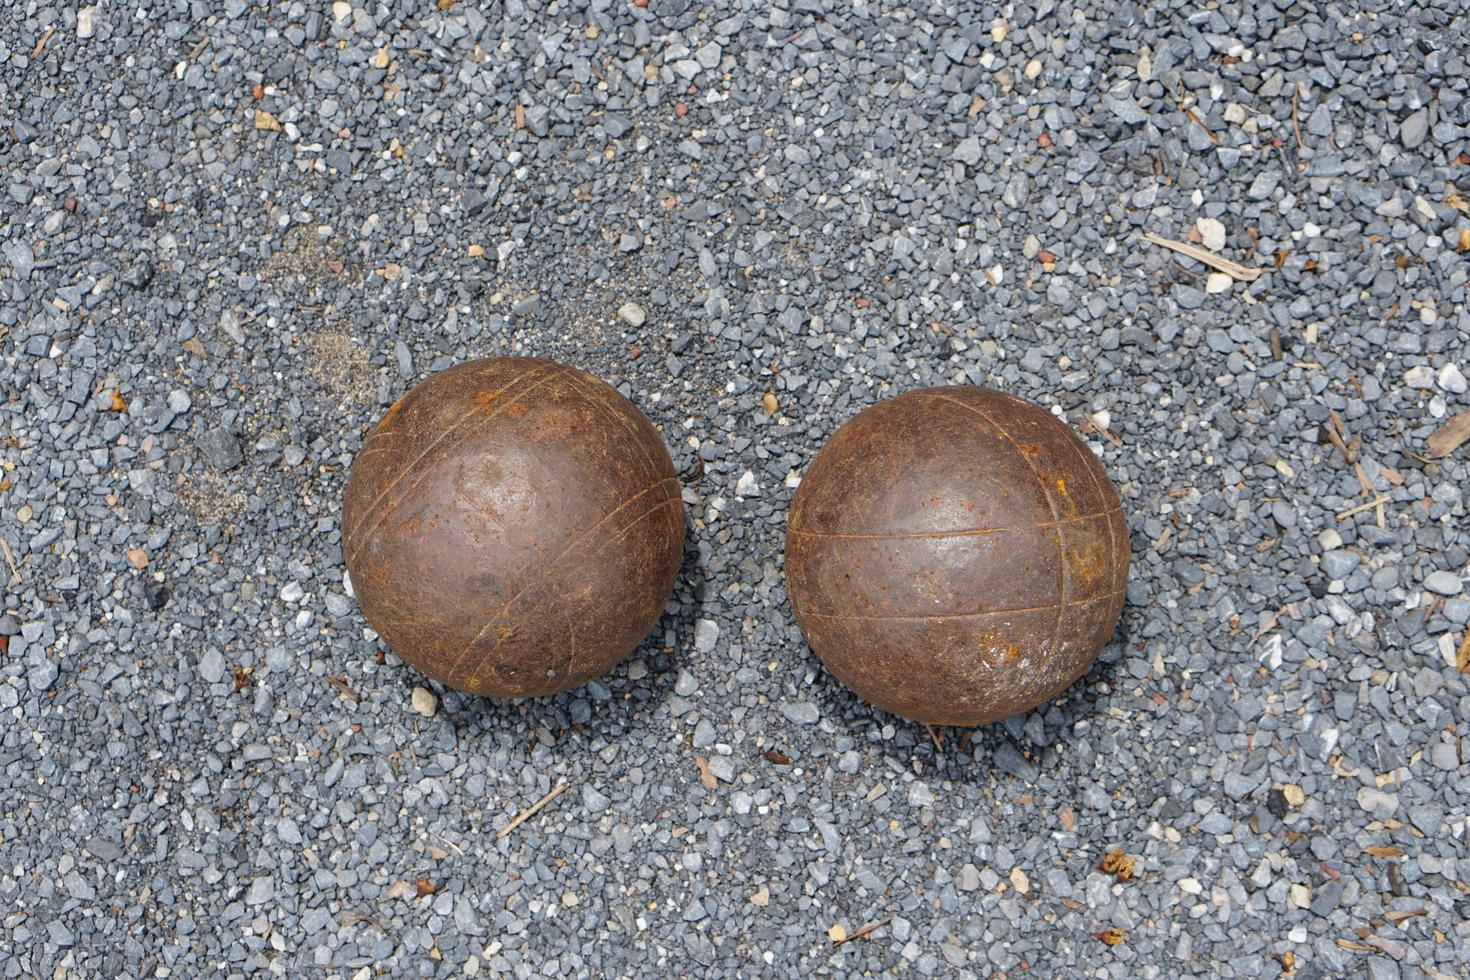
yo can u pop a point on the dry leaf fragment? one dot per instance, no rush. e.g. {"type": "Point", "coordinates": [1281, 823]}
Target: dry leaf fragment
{"type": "Point", "coordinates": [1117, 864]}
{"type": "Point", "coordinates": [425, 887]}
{"type": "Point", "coordinates": [705, 776]}
{"type": "Point", "coordinates": [477, 251]}
{"type": "Point", "coordinates": [838, 933]}
{"type": "Point", "coordinates": [777, 757]}
{"type": "Point", "coordinates": [1462, 656]}
{"type": "Point", "coordinates": [399, 889]}
{"type": "Point", "coordinates": [1454, 200]}
{"type": "Point", "coordinates": [265, 121]}
{"type": "Point", "coordinates": [1450, 436]}
{"type": "Point", "coordinates": [115, 404]}
{"type": "Point", "coordinates": [244, 677]}
{"type": "Point", "coordinates": [520, 117]}
{"type": "Point", "coordinates": [137, 557]}
{"type": "Point", "coordinates": [391, 271]}
{"type": "Point", "coordinates": [1068, 819]}
{"type": "Point", "coordinates": [768, 402]}
{"type": "Point", "coordinates": [1287, 960]}
{"type": "Point", "coordinates": [1113, 936]}
{"type": "Point", "coordinates": [1383, 851]}
{"type": "Point", "coordinates": [1464, 243]}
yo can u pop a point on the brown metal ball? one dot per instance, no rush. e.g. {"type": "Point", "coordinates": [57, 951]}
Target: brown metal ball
{"type": "Point", "coordinates": [956, 555]}
{"type": "Point", "coordinates": [513, 527]}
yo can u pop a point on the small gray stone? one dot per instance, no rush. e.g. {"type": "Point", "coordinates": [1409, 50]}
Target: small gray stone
{"type": "Point", "coordinates": [706, 635]}
{"type": "Point", "coordinates": [686, 684]}
{"type": "Point", "coordinates": [1124, 107]}
{"type": "Point", "coordinates": [1443, 583]}
{"type": "Point", "coordinates": [22, 260]}
{"type": "Point", "coordinates": [229, 325]}
{"type": "Point", "coordinates": [212, 666]}
{"type": "Point", "coordinates": [1338, 563]}
{"type": "Point", "coordinates": [1414, 128]}
{"type": "Point", "coordinates": [221, 448]}
{"type": "Point", "coordinates": [594, 800]}
{"type": "Point", "coordinates": [1263, 186]}
{"type": "Point", "coordinates": [801, 712]}
{"type": "Point", "coordinates": [262, 890]}
{"type": "Point", "coordinates": [969, 151]}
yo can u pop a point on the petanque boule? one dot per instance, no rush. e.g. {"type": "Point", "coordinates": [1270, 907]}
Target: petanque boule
{"type": "Point", "coordinates": [956, 555]}
{"type": "Point", "coordinates": [513, 527]}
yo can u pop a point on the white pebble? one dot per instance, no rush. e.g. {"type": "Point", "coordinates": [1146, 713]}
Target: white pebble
{"type": "Point", "coordinates": [1211, 233]}
{"type": "Point", "coordinates": [1451, 379]}
{"type": "Point", "coordinates": [632, 314]}
{"type": "Point", "coordinates": [1419, 376]}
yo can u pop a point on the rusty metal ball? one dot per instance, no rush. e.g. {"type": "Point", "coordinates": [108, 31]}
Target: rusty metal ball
{"type": "Point", "coordinates": [956, 555]}
{"type": "Point", "coordinates": [513, 527]}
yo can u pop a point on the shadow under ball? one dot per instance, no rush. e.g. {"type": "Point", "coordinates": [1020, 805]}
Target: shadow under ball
{"type": "Point", "coordinates": [956, 555]}
{"type": "Point", "coordinates": [513, 527]}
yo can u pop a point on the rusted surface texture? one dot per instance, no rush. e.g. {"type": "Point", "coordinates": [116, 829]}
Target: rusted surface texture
{"type": "Point", "coordinates": [513, 527]}
{"type": "Point", "coordinates": [956, 555]}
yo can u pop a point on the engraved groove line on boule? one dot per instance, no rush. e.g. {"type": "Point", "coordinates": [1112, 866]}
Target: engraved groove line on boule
{"type": "Point", "coordinates": [956, 533]}
{"type": "Point", "coordinates": [466, 432]}
{"type": "Point", "coordinates": [601, 401]}
{"type": "Point", "coordinates": [570, 664]}
{"type": "Point", "coordinates": [374, 435]}
{"type": "Point", "coordinates": [970, 615]}
{"type": "Point", "coordinates": [1056, 513]}
{"type": "Point", "coordinates": [458, 658]}
{"type": "Point", "coordinates": [1092, 464]}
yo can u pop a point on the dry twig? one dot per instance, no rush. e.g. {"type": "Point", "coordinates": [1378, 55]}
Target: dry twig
{"type": "Point", "coordinates": [1352, 511]}
{"type": "Point", "coordinates": [1296, 119]}
{"type": "Point", "coordinates": [871, 927]}
{"type": "Point", "coordinates": [530, 811]}
{"type": "Point", "coordinates": [10, 560]}
{"type": "Point", "coordinates": [1232, 269]}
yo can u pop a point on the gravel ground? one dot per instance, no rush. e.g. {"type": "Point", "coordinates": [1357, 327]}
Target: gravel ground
{"type": "Point", "coordinates": [234, 232]}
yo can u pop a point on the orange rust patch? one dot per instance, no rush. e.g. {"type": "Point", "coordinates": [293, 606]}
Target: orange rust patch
{"type": "Point", "coordinates": [999, 649]}
{"type": "Point", "coordinates": [1066, 506]}
{"type": "Point", "coordinates": [1085, 557]}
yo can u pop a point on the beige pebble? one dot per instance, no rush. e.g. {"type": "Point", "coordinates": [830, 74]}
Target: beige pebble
{"type": "Point", "coordinates": [424, 701]}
